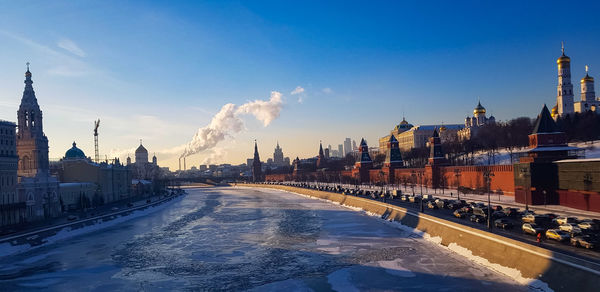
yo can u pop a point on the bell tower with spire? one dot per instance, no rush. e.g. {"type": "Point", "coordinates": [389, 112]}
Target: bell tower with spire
{"type": "Point", "coordinates": [564, 90]}
{"type": "Point", "coordinates": [256, 165]}
{"type": "Point", "coordinates": [32, 144]}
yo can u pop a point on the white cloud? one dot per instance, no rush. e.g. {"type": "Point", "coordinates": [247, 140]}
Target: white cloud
{"type": "Point", "coordinates": [327, 90]}
{"type": "Point", "coordinates": [297, 90]}
{"type": "Point", "coordinates": [300, 99]}
{"type": "Point", "coordinates": [71, 47]}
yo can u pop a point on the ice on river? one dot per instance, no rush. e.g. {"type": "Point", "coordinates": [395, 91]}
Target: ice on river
{"type": "Point", "coordinates": [248, 239]}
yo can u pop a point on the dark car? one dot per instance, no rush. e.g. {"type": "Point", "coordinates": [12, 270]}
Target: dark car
{"type": "Point", "coordinates": [477, 219]}
{"type": "Point", "coordinates": [498, 215]}
{"type": "Point", "coordinates": [456, 204]}
{"type": "Point", "coordinates": [467, 209]}
{"type": "Point", "coordinates": [511, 212]}
{"type": "Point", "coordinates": [71, 217]}
{"type": "Point", "coordinates": [432, 205]}
{"type": "Point", "coordinates": [130, 205]}
{"type": "Point", "coordinates": [459, 214]}
{"type": "Point", "coordinates": [503, 223]}
{"type": "Point", "coordinates": [584, 241]}
{"type": "Point", "coordinates": [532, 228]}
{"type": "Point", "coordinates": [497, 208]}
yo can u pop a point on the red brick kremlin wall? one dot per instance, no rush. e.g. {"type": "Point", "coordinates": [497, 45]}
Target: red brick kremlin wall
{"type": "Point", "coordinates": [470, 177]}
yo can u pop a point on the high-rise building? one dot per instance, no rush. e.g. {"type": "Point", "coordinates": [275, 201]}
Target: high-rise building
{"type": "Point", "coordinates": [341, 150]}
{"type": "Point", "coordinates": [347, 146]}
{"type": "Point", "coordinates": [354, 148]}
{"type": "Point", "coordinates": [564, 97]}
{"type": "Point", "coordinates": [12, 209]}
{"type": "Point", "coordinates": [278, 155]}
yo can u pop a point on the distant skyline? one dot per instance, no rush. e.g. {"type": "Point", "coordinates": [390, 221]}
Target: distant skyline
{"type": "Point", "coordinates": [160, 71]}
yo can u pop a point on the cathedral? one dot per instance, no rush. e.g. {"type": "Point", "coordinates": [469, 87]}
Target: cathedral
{"type": "Point", "coordinates": [36, 186]}
{"type": "Point", "coordinates": [142, 168]}
{"type": "Point", "coordinates": [565, 103]}
{"type": "Point", "coordinates": [472, 124]}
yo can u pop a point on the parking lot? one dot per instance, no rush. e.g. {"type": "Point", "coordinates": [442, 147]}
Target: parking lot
{"type": "Point", "coordinates": [506, 220]}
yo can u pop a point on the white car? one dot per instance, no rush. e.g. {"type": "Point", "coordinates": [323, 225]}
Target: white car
{"type": "Point", "coordinates": [565, 220]}
{"type": "Point", "coordinates": [588, 225]}
{"type": "Point", "coordinates": [571, 228]}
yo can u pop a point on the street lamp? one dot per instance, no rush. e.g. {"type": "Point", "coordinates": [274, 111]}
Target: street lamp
{"type": "Point", "coordinates": [457, 175]}
{"type": "Point", "coordinates": [488, 174]}
{"type": "Point", "coordinates": [420, 174]}
{"type": "Point", "coordinates": [525, 173]}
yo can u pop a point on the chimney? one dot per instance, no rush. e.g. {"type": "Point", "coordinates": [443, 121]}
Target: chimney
{"type": "Point", "coordinates": [184, 168]}
{"type": "Point", "coordinates": [179, 163]}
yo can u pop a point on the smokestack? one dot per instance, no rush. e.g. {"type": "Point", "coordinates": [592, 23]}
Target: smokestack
{"type": "Point", "coordinates": [179, 163]}
{"type": "Point", "coordinates": [184, 168]}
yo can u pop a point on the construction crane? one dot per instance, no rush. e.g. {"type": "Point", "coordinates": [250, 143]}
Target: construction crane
{"type": "Point", "coordinates": [96, 152]}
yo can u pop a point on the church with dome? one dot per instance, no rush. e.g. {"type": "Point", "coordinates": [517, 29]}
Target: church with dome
{"type": "Point", "coordinates": [141, 168]}
{"type": "Point", "coordinates": [472, 124]}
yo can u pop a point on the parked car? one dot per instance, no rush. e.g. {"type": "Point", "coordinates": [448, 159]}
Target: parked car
{"type": "Point", "coordinates": [497, 208]}
{"type": "Point", "coordinates": [456, 204]}
{"type": "Point", "coordinates": [129, 205]}
{"type": "Point", "coordinates": [477, 219]}
{"type": "Point", "coordinates": [584, 241]}
{"type": "Point", "coordinates": [432, 205]}
{"type": "Point", "coordinates": [480, 211]}
{"type": "Point", "coordinates": [498, 214]}
{"type": "Point", "coordinates": [588, 225]}
{"type": "Point", "coordinates": [532, 228]}
{"type": "Point", "coordinates": [528, 218]}
{"type": "Point", "coordinates": [503, 223]}
{"type": "Point", "coordinates": [564, 220]}
{"type": "Point", "coordinates": [568, 227]}
{"type": "Point", "coordinates": [71, 217]}
{"type": "Point", "coordinates": [114, 209]}
{"type": "Point", "coordinates": [552, 216]}
{"type": "Point", "coordinates": [557, 235]}
{"type": "Point", "coordinates": [467, 209]}
{"type": "Point", "coordinates": [459, 214]}
{"type": "Point", "coordinates": [511, 212]}
{"type": "Point", "coordinates": [441, 204]}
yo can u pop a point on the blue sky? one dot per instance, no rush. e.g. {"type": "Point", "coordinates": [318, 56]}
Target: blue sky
{"type": "Point", "coordinates": [158, 71]}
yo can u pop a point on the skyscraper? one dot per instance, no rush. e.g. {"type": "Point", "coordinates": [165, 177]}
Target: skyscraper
{"type": "Point", "coordinates": [347, 146]}
{"type": "Point", "coordinates": [341, 150]}
{"type": "Point", "coordinates": [278, 156]}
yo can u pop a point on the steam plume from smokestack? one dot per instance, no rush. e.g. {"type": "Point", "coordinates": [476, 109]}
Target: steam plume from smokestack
{"type": "Point", "coordinates": [227, 122]}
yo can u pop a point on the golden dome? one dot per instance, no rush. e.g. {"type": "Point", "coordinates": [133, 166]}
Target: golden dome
{"type": "Point", "coordinates": [404, 122]}
{"type": "Point", "coordinates": [479, 109]}
{"type": "Point", "coordinates": [554, 112]}
{"type": "Point", "coordinates": [563, 59]}
{"type": "Point", "coordinates": [587, 78]}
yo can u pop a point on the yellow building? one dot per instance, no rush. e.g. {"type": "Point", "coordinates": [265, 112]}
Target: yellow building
{"type": "Point", "coordinates": [111, 180]}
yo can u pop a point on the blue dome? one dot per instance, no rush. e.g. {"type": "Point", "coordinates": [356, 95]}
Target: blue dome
{"type": "Point", "coordinates": [74, 152]}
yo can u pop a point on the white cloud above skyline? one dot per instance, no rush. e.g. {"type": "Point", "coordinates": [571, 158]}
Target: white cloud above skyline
{"type": "Point", "coordinates": [71, 47]}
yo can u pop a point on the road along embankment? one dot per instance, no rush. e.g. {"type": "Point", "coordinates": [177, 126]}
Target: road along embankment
{"type": "Point", "coordinates": [528, 264]}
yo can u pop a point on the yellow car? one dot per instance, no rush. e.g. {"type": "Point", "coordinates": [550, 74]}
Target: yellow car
{"type": "Point", "coordinates": [557, 235]}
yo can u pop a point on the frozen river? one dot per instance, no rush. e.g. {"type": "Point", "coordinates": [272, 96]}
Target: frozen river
{"type": "Point", "coordinates": [247, 239]}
